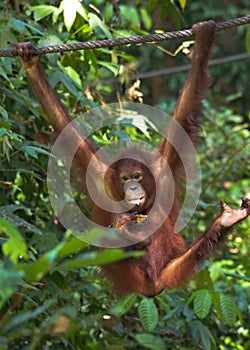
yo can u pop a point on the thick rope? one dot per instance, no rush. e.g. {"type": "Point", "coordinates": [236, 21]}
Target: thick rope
{"type": "Point", "coordinates": [138, 39]}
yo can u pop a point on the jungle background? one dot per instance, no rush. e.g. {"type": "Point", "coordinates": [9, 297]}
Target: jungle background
{"type": "Point", "coordinates": [52, 295]}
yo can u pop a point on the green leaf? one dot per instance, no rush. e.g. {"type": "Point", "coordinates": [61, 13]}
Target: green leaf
{"type": "Point", "coordinates": [72, 246]}
{"type": "Point", "coordinates": [49, 261]}
{"type": "Point", "coordinates": [203, 280]}
{"type": "Point", "coordinates": [3, 74]}
{"type": "Point", "coordinates": [9, 280]}
{"type": "Point", "coordinates": [49, 40]}
{"type": "Point", "coordinates": [3, 113]}
{"type": "Point", "coordinates": [25, 316]}
{"type": "Point", "coordinates": [148, 313]}
{"type": "Point", "coordinates": [42, 11]}
{"type": "Point", "coordinates": [70, 9]}
{"type": "Point", "coordinates": [12, 135]}
{"type": "Point", "coordinates": [15, 245]}
{"type": "Point", "coordinates": [202, 303]}
{"type": "Point", "coordinates": [6, 36]}
{"type": "Point", "coordinates": [37, 270]}
{"type": "Point", "coordinates": [20, 26]}
{"type": "Point", "coordinates": [130, 12]}
{"type": "Point", "coordinates": [97, 258]}
{"type": "Point", "coordinates": [110, 66]}
{"type": "Point", "coordinates": [97, 25]}
{"type": "Point", "coordinates": [33, 150]}
{"type": "Point", "coordinates": [163, 301]}
{"type": "Point", "coordinates": [248, 40]}
{"type": "Point", "coordinates": [216, 300]}
{"type": "Point", "coordinates": [6, 147]}
{"type": "Point", "coordinates": [69, 84]}
{"type": "Point", "coordinates": [229, 309]}
{"type": "Point", "coordinates": [7, 212]}
{"type": "Point", "coordinates": [151, 4]}
{"type": "Point", "coordinates": [69, 13]}
{"type": "Point", "coordinates": [146, 19]}
{"type": "Point", "coordinates": [139, 121]}
{"type": "Point", "coordinates": [123, 305]}
{"type": "Point", "coordinates": [150, 341]}
{"type": "Point", "coordinates": [72, 73]}
{"type": "Point", "coordinates": [201, 335]}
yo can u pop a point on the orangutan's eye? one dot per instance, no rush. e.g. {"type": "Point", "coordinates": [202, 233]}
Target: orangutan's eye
{"type": "Point", "coordinates": [125, 178]}
{"type": "Point", "coordinates": [137, 176]}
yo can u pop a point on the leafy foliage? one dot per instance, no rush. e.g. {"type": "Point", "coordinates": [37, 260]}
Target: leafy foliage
{"type": "Point", "coordinates": [202, 303]}
{"type": "Point", "coordinates": [15, 246]}
{"type": "Point", "coordinates": [123, 305]}
{"type": "Point", "coordinates": [51, 293]}
{"type": "Point", "coordinates": [150, 341]}
{"type": "Point", "coordinates": [202, 335]}
{"type": "Point", "coordinates": [148, 314]}
{"type": "Point", "coordinates": [229, 309]}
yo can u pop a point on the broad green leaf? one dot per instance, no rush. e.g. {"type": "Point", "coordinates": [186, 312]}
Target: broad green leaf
{"type": "Point", "coordinates": [139, 121]}
{"type": "Point", "coordinates": [50, 39]}
{"type": "Point", "coordinates": [151, 4]}
{"type": "Point", "coordinates": [91, 58]}
{"type": "Point", "coordinates": [35, 271]}
{"type": "Point", "coordinates": [216, 300]}
{"type": "Point", "coordinates": [20, 26]}
{"type": "Point", "coordinates": [112, 67]}
{"type": "Point", "coordinates": [123, 305]}
{"type": "Point", "coordinates": [150, 341]}
{"type": "Point", "coordinates": [69, 84]}
{"type": "Point", "coordinates": [202, 303]}
{"type": "Point", "coordinates": [42, 11]}
{"type": "Point", "coordinates": [97, 258]}
{"type": "Point", "coordinates": [203, 280]}
{"type": "Point", "coordinates": [80, 9]}
{"type": "Point", "coordinates": [148, 313]}
{"type": "Point", "coordinates": [49, 261]}
{"type": "Point", "coordinates": [3, 113]}
{"type": "Point", "coordinates": [72, 246]}
{"type": "Point", "coordinates": [201, 335]}
{"type": "Point", "coordinates": [229, 309]}
{"type": "Point", "coordinates": [226, 307]}
{"type": "Point", "coordinates": [15, 245]}
{"type": "Point", "coordinates": [131, 13]}
{"type": "Point", "coordinates": [164, 302]}
{"type": "Point", "coordinates": [97, 25]}
{"type": "Point", "coordinates": [70, 9]}
{"type": "Point", "coordinates": [69, 13]}
{"type": "Point", "coordinates": [72, 73]}
{"type": "Point", "coordinates": [6, 37]}
{"type": "Point", "coordinates": [146, 18]}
